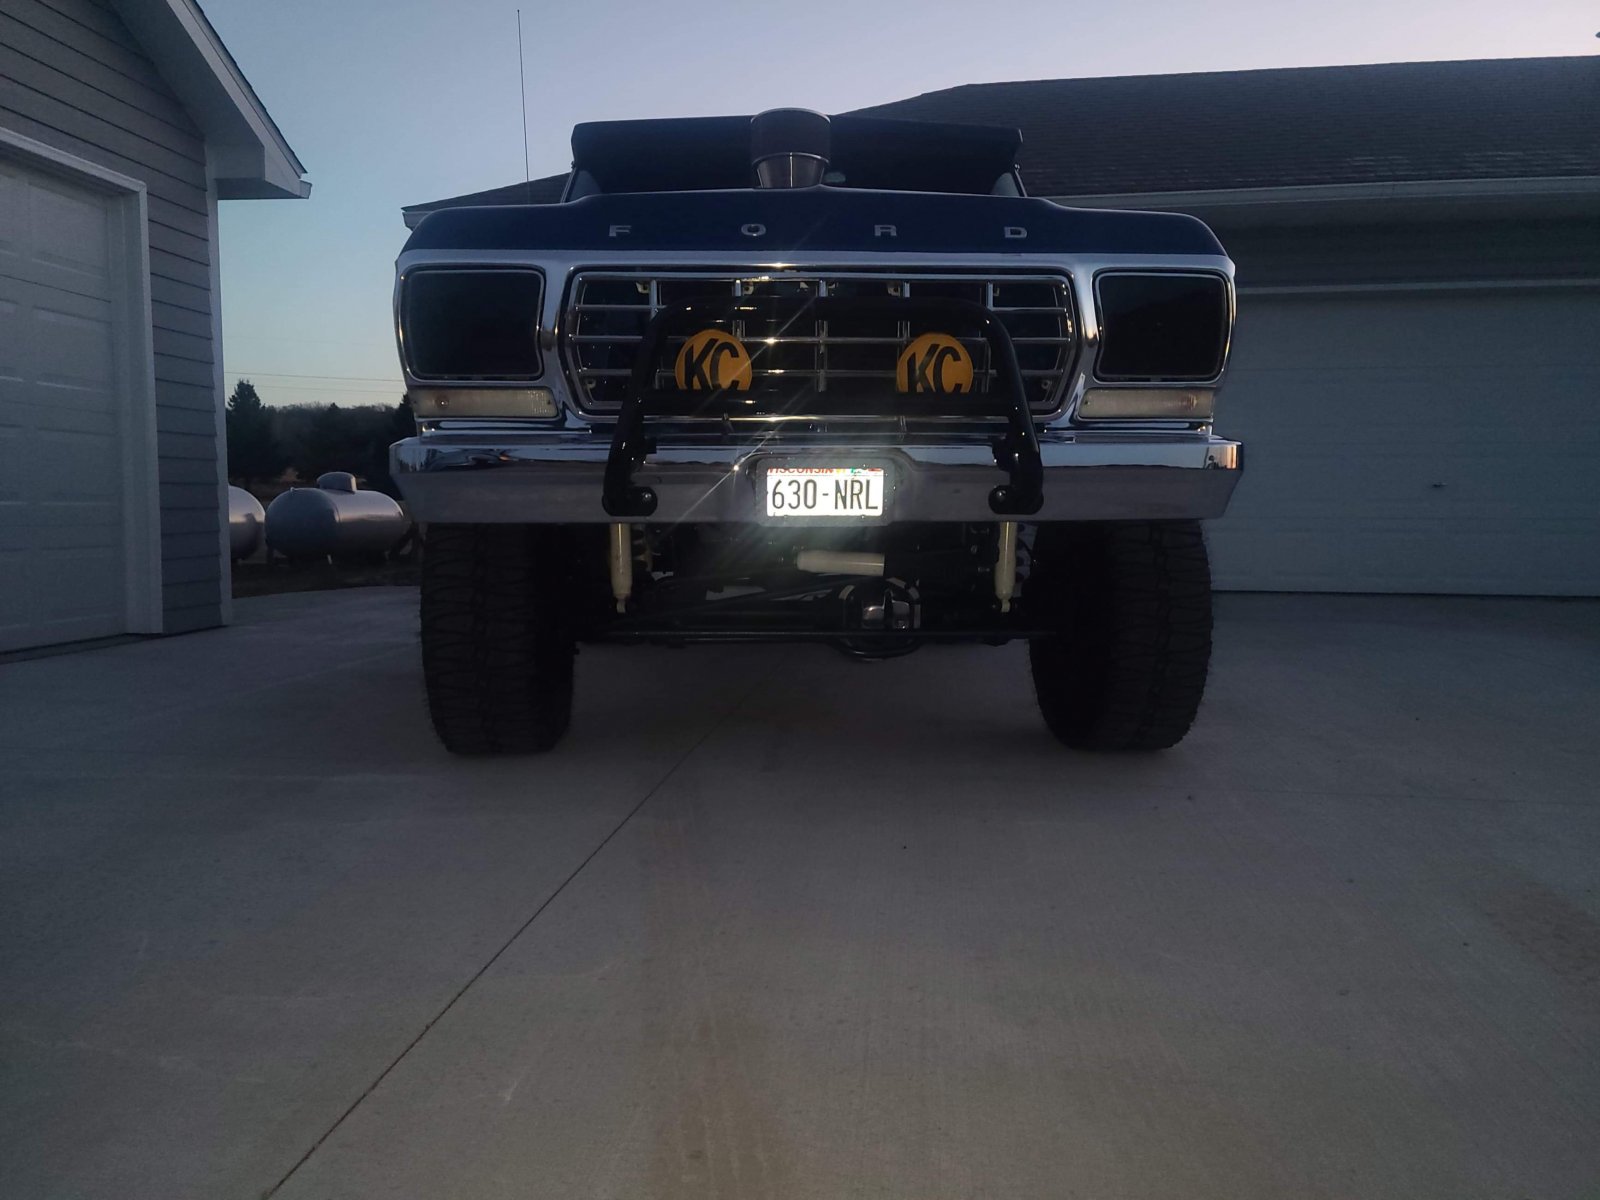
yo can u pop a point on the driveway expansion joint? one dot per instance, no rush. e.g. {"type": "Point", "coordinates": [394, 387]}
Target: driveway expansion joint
{"type": "Point", "coordinates": [650, 793]}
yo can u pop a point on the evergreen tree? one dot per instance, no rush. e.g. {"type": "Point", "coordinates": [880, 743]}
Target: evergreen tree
{"type": "Point", "coordinates": [335, 440]}
{"type": "Point", "coordinates": [399, 422]}
{"type": "Point", "coordinates": [254, 455]}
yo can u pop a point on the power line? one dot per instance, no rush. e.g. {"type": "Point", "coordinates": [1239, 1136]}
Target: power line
{"type": "Point", "coordinates": [376, 396]}
{"type": "Point", "coordinates": [242, 371]}
{"type": "Point", "coordinates": [307, 341]}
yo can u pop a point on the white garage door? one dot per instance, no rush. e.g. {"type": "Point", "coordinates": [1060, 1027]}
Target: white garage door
{"type": "Point", "coordinates": [63, 545]}
{"type": "Point", "coordinates": [1415, 442]}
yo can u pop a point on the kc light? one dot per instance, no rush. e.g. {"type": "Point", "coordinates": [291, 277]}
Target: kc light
{"type": "Point", "coordinates": [483, 402]}
{"type": "Point", "coordinates": [1174, 404]}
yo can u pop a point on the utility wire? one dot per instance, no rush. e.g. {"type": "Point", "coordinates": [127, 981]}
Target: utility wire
{"type": "Point", "coordinates": [242, 371]}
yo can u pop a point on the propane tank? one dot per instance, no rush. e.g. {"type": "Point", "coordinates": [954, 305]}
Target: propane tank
{"type": "Point", "coordinates": [334, 519]}
{"type": "Point", "coordinates": [246, 518]}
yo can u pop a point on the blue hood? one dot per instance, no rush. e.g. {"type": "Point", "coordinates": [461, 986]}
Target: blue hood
{"type": "Point", "coordinates": [776, 222]}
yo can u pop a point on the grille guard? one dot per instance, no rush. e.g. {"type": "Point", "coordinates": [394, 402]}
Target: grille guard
{"type": "Point", "coordinates": [1016, 453]}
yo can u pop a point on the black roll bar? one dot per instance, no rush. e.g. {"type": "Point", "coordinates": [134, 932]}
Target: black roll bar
{"type": "Point", "coordinates": [1016, 453]}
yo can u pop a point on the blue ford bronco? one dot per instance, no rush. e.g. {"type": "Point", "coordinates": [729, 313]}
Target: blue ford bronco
{"type": "Point", "coordinates": [793, 378]}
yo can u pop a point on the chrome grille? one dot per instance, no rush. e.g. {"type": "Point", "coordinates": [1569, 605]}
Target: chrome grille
{"type": "Point", "coordinates": [793, 353]}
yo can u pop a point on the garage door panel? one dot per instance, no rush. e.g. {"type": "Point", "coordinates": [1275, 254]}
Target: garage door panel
{"type": "Point", "coordinates": [71, 230]}
{"type": "Point", "coordinates": [86, 528]}
{"type": "Point", "coordinates": [13, 478]}
{"type": "Point", "coordinates": [50, 631]}
{"type": "Point", "coordinates": [13, 204]}
{"type": "Point", "coordinates": [83, 599]}
{"type": "Point", "coordinates": [84, 581]}
{"type": "Point", "coordinates": [16, 603]}
{"type": "Point", "coordinates": [15, 537]}
{"type": "Point", "coordinates": [43, 408]}
{"type": "Point", "coordinates": [1440, 330]}
{"type": "Point", "coordinates": [77, 466]}
{"type": "Point", "coordinates": [10, 338]}
{"type": "Point", "coordinates": [72, 350]}
{"type": "Point", "coordinates": [1368, 471]}
{"type": "Point", "coordinates": [63, 528]}
{"type": "Point", "coordinates": [1358, 483]}
{"type": "Point", "coordinates": [1297, 333]}
{"type": "Point", "coordinates": [73, 408]}
{"type": "Point", "coordinates": [54, 233]}
{"type": "Point", "coordinates": [58, 282]}
{"type": "Point", "coordinates": [1507, 559]}
{"type": "Point", "coordinates": [1452, 404]}
{"type": "Point", "coordinates": [1345, 404]}
{"type": "Point", "coordinates": [1505, 415]}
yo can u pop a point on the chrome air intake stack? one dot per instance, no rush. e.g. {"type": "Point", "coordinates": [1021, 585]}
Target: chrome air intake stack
{"type": "Point", "coordinates": [789, 147]}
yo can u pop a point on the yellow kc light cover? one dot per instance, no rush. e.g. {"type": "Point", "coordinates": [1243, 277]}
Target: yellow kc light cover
{"type": "Point", "coordinates": [936, 363]}
{"type": "Point", "coordinates": [713, 360]}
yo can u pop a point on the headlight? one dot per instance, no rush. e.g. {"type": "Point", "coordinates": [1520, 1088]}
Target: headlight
{"type": "Point", "coordinates": [1162, 325]}
{"type": "Point", "coordinates": [465, 324]}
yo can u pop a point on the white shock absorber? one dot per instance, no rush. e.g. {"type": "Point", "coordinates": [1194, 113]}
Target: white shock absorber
{"type": "Point", "coordinates": [622, 565]}
{"type": "Point", "coordinates": [1005, 566]}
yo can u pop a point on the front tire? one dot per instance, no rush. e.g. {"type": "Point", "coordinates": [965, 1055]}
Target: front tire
{"type": "Point", "coordinates": [1131, 606]}
{"type": "Point", "coordinates": [497, 644]}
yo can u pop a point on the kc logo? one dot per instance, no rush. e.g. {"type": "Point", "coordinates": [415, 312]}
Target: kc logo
{"type": "Point", "coordinates": [934, 362]}
{"type": "Point", "coordinates": [713, 360]}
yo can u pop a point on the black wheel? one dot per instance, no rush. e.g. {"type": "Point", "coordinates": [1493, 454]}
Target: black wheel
{"type": "Point", "coordinates": [497, 647]}
{"type": "Point", "coordinates": [1132, 605]}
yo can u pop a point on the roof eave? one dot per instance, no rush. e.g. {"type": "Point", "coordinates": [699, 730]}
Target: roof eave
{"type": "Point", "coordinates": [1319, 200]}
{"type": "Point", "coordinates": [250, 157]}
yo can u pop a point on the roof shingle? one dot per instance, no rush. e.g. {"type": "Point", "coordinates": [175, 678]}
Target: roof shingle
{"type": "Point", "coordinates": [1483, 119]}
{"type": "Point", "coordinates": [1298, 126]}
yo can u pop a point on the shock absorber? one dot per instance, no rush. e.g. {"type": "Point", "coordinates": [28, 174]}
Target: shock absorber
{"type": "Point", "coordinates": [1005, 565]}
{"type": "Point", "coordinates": [621, 556]}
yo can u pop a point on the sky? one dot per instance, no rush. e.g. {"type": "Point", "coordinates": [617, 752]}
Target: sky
{"type": "Point", "coordinates": [394, 102]}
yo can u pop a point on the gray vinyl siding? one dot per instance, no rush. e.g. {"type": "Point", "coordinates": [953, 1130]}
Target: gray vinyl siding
{"type": "Point", "coordinates": [73, 77]}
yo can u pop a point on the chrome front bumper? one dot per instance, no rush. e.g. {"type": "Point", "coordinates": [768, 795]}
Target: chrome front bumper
{"type": "Point", "coordinates": [556, 477]}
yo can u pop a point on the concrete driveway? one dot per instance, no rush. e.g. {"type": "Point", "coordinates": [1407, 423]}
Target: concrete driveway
{"type": "Point", "coordinates": [776, 924]}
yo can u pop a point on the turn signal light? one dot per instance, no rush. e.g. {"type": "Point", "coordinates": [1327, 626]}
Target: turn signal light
{"type": "Point", "coordinates": [483, 402]}
{"type": "Point", "coordinates": [1179, 404]}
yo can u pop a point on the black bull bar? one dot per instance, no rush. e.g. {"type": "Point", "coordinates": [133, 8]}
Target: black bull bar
{"type": "Point", "coordinates": [1016, 452]}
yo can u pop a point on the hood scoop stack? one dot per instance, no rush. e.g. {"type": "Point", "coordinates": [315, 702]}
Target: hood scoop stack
{"type": "Point", "coordinates": [790, 147]}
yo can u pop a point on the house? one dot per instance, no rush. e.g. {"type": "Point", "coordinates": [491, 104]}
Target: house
{"type": "Point", "coordinates": [122, 124]}
{"type": "Point", "coordinates": [1416, 367]}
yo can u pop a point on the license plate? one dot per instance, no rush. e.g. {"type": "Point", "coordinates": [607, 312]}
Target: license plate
{"type": "Point", "coordinates": [825, 491]}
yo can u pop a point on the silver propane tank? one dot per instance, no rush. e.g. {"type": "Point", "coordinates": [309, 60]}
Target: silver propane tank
{"type": "Point", "coordinates": [334, 519]}
{"type": "Point", "coordinates": [246, 519]}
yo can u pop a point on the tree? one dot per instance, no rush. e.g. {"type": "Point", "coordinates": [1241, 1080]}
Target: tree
{"type": "Point", "coordinates": [398, 422]}
{"type": "Point", "coordinates": [254, 455]}
{"type": "Point", "coordinates": [334, 440]}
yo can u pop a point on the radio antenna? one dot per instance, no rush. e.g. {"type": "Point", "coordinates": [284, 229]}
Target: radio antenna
{"type": "Point", "coordinates": [522, 87]}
